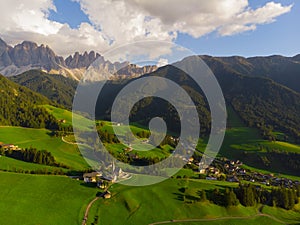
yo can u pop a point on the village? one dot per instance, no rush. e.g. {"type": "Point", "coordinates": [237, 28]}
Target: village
{"type": "Point", "coordinates": [233, 171]}
{"type": "Point", "coordinates": [220, 169]}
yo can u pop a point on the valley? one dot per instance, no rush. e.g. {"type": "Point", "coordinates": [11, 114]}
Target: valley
{"type": "Point", "coordinates": [137, 112]}
{"type": "Point", "coordinates": [254, 178]}
{"type": "Point", "coordinates": [131, 203]}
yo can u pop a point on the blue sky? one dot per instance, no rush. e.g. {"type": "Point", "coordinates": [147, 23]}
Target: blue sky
{"type": "Point", "coordinates": [214, 27]}
{"type": "Point", "coordinates": [68, 11]}
{"type": "Point", "coordinates": [280, 37]}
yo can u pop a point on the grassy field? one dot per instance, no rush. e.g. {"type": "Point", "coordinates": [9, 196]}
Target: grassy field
{"type": "Point", "coordinates": [283, 146]}
{"type": "Point", "coordinates": [162, 153]}
{"type": "Point", "coordinates": [40, 138]}
{"type": "Point", "coordinates": [108, 127]}
{"type": "Point", "coordinates": [156, 152]}
{"type": "Point", "coordinates": [164, 202]}
{"type": "Point", "coordinates": [85, 124]}
{"type": "Point", "coordinates": [46, 200]}
{"type": "Point", "coordinates": [291, 217]}
{"type": "Point", "coordinates": [239, 139]}
{"type": "Point", "coordinates": [234, 221]}
{"type": "Point", "coordinates": [62, 114]}
{"type": "Point", "coordinates": [34, 199]}
{"type": "Point", "coordinates": [13, 165]}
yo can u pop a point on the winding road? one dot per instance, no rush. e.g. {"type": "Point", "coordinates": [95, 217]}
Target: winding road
{"type": "Point", "coordinates": [221, 218]}
{"type": "Point", "coordinates": [86, 214]}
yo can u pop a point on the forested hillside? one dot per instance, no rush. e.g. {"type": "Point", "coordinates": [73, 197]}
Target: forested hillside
{"type": "Point", "coordinates": [19, 107]}
{"type": "Point", "coordinates": [283, 70]}
{"type": "Point", "coordinates": [57, 88]}
{"type": "Point", "coordinates": [260, 102]}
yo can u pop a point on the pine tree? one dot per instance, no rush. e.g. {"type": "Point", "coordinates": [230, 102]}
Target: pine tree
{"type": "Point", "coordinates": [230, 198]}
{"type": "Point", "coordinates": [203, 196]}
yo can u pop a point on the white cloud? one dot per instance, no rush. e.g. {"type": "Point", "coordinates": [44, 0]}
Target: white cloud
{"type": "Point", "coordinates": [29, 16]}
{"type": "Point", "coordinates": [116, 22]}
{"type": "Point", "coordinates": [162, 62]}
{"type": "Point", "coordinates": [28, 20]}
{"type": "Point", "coordinates": [248, 20]}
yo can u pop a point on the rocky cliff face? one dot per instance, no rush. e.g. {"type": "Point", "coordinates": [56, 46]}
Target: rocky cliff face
{"type": "Point", "coordinates": [113, 71]}
{"type": "Point", "coordinates": [28, 55]}
{"type": "Point", "coordinates": [5, 59]}
{"type": "Point", "coordinates": [82, 61]}
{"type": "Point", "coordinates": [135, 71]}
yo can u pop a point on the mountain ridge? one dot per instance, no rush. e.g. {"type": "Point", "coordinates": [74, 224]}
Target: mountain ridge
{"type": "Point", "coordinates": [29, 56]}
{"type": "Point", "coordinates": [283, 70]}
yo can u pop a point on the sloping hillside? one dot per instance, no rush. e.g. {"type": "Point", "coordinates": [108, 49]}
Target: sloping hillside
{"type": "Point", "coordinates": [57, 88]}
{"type": "Point", "coordinates": [283, 70]}
{"type": "Point", "coordinates": [261, 102]}
{"type": "Point", "coordinates": [18, 107]}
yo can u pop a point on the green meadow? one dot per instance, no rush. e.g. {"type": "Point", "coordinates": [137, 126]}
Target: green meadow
{"type": "Point", "coordinates": [246, 144]}
{"type": "Point", "coordinates": [82, 123]}
{"type": "Point", "coordinates": [108, 126]}
{"type": "Point", "coordinates": [41, 139]}
{"type": "Point", "coordinates": [27, 195]}
{"type": "Point", "coordinates": [67, 199]}
{"type": "Point", "coordinates": [13, 165]}
{"type": "Point", "coordinates": [233, 221]}
{"type": "Point", "coordinates": [240, 137]}
{"type": "Point", "coordinates": [164, 202]}
{"type": "Point", "coordinates": [47, 200]}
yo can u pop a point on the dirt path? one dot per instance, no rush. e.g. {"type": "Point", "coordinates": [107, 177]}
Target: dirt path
{"type": "Point", "coordinates": [87, 210]}
{"type": "Point", "coordinates": [221, 218]}
{"type": "Point", "coordinates": [70, 143]}
{"type": "Point", "coordinates": [73, 143]}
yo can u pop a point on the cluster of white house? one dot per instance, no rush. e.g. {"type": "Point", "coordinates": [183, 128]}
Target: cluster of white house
{"type": "Point", "coordinates": [112, 176]}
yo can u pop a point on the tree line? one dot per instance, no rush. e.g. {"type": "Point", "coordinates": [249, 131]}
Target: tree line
{"type": "Point", "coordinates": [33, 155]}
{"type": "Point", "coordinates": [250, 195]}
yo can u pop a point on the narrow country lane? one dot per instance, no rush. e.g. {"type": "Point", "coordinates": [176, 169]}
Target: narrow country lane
{"type": "Point", "coordinates": [87, 210]}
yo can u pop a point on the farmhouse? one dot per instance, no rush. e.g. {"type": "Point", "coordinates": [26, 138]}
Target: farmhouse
{"type": "Point", "coordinates": [191, 160]}
{"type": "Point", "coordinates": [107, 195]}
{"type": "Point", "coordinates": [91, 177]}
{"type": "Point", "coordinates": [128, 149]}
{"type": "Point", "coordinates": [9, 147]}
{"type": "Point", "coordinates": [202, 171]}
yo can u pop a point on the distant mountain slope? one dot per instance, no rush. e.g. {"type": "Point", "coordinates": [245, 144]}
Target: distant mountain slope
{"type": "Point", "coordinates": [57, 88]}
{"type": "Point", "coordinates": [265, 104]}
{"type": "Point", "coordinates": [260, 102]}
{"type": "Point", "coordinates": [28, 56]}
{"type": "Point", "coordinates": [283, 70]}
{"type": "Point", "coordinates": [18, 107]}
